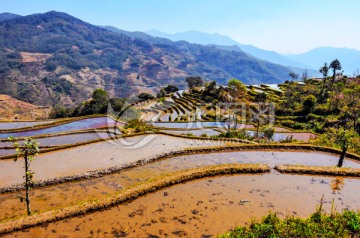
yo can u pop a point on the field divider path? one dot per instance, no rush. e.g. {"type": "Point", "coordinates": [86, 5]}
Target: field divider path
{"type": "Point", "coordinates": [318, 170]}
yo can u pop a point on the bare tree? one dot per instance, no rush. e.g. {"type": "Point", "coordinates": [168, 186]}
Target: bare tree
{"type": "Point", "coordinates": [305, 75]}
{"type": "Point", "coordinates": [293, 76]}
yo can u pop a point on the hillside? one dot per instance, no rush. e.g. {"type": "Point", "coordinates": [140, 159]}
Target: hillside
{"type": "Point", "coordinates": [7, 16]}
{"type": "Point", "coordinates": [54, 58]}
{"type": "Point", "coordinates": [13, 109]}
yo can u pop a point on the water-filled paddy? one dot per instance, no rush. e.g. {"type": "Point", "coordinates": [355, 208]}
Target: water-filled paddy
{"type": "Point", "coordinates": [189, 127]}
{"type": "Point", "coordinates": [65, 139]}
{"type": "Point", "coordinates": [66, 194]}
{"type": "Point", "coordinates": [7, 152]}
{"type": "Point", "coordinates": [206, 207]}
{"type": "Point", "coordinates": [20, 124]}
{"type": "Point", "coordinates": [94, 156]}
{"type": "Point", "coordinates": [71, 126]}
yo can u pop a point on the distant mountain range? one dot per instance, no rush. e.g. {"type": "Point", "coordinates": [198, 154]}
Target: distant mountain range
{"type": "Point", "coordinates": [314, 59]}
{"type": "Point", "coordinates": [7, 16]}
{"type": "Point", "coordinates": [349, 58]}
{"type": "Point", "coordinates": [54, 58]}
{"type": "Point", "coordinates": [223, 40]}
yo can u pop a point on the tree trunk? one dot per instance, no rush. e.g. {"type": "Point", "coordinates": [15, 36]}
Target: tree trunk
{"type": "Point", "coordinates": [27, 184]}
{"type": "Point", "coordinates": [236, 122]}
{"type": "Point", "coordinates": [333, 79]}
{"type": "Point", "coordinates": [342, 157]}
{"type": "Point", "coordinates": [355, 123]}
{"type": "Point", "coordinates": [257, 129]}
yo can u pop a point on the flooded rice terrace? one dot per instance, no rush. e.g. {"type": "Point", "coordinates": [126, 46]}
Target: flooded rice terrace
{"type": "Point", "coordinates": [83, 124]}
{"type": "Point", "coordinates": [197, 207]}
{"type": "Point", "coordinates": [200, 208]}
{"type": "Point", "coordinates": [206, 207]}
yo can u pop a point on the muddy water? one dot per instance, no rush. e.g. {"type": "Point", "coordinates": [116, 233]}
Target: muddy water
{"type": "Point", "coordinates": [76, 125]}
{"type": "Point", "coordinates": [206, 207]}
{"type": "Point", "coordinates": [94, 156]}
{"type": "Point", "coordinates": [70, 193]}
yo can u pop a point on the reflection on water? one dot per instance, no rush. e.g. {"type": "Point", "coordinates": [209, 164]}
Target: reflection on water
{"type": "Point", "coordinates": [189, 127]}
{"type": "Point", "coordinates": [17, 125]}
{"type": "Point", "coordinates": [71, 126]}
{"type": "Point", "coordinates": [337, 184]}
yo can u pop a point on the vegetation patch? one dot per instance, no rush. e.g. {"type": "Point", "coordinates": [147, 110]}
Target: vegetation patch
{"type": "Point", "coordinates": [129, 194]}
{"type": "Point", "coordinates": [319, 224]}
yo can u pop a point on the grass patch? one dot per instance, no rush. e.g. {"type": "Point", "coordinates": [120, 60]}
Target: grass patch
{"type": "Point", "coordinates": [345, 224]}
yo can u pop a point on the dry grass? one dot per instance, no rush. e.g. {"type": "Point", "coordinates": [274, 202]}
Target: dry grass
{"type": "Point", "coordinates": [318, 170]}
{"type": "Point", "coordinates": [129, 194]}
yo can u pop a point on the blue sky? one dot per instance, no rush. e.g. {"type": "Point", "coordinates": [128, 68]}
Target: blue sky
{"type": "Point", "coordinates": [287, 26]}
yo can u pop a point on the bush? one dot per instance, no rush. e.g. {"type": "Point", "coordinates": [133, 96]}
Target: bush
{"type": "Point", "coordinates": [146, 96]}
{"type": "Point", "coordinates": [269, 132]}
{"type": "Point", "coordinates": [239, 134]}
{"type": "Point", "coordinates": [138, 126]}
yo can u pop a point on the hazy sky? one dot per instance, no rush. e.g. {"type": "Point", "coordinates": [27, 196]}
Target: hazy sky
{"type": "Point", "coordinates": [287, 26]}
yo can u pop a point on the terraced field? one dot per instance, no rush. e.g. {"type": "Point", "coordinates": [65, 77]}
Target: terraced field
{"type": "Point", "coordinates": [177, 181]}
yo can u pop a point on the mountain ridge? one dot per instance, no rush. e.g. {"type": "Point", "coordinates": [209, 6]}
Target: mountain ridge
{"type": "Point", "coordinates": [54, 58]}
{"type": "Point", "coordinates": [224, 40]}
{"type": "Point", "coordinates": [348, 57]}
{"type": "Point", "coordinates": [8, 16]}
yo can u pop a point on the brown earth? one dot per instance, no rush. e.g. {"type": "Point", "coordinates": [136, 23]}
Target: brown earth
{"type": "Point", "coordinates": [12, 109]}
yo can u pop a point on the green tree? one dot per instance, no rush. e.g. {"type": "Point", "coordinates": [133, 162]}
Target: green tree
{"type": "Point", "coordinates": [309, 103]}
{"type": "Point", "coordinates": [194, 82]}
{"type": "Point", "coordinates": [209, 88]}
{"type": "Point", "coordinates": [351, 103]}
{"type": "Point", "coordinates": [146, 96]}
{"type": "Point", "coordinates": [325, 72]}
{"type": "Point", "coordinates": [28, 149]}
{"type": "Point", "coordinates": [269, 132]}
{"type": "Point", "coordinates": [99, 102]}
{"type": "Point", "coordinates": [335, 65]}
{"type": "Point", "coordinates": [237, 87]}
{"type": "Point", "coordinates": [161, 93]}
{"type": "Point", "coordinates": [171, 88]}
{"type": "Point", "coordinates": [261, 97]}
